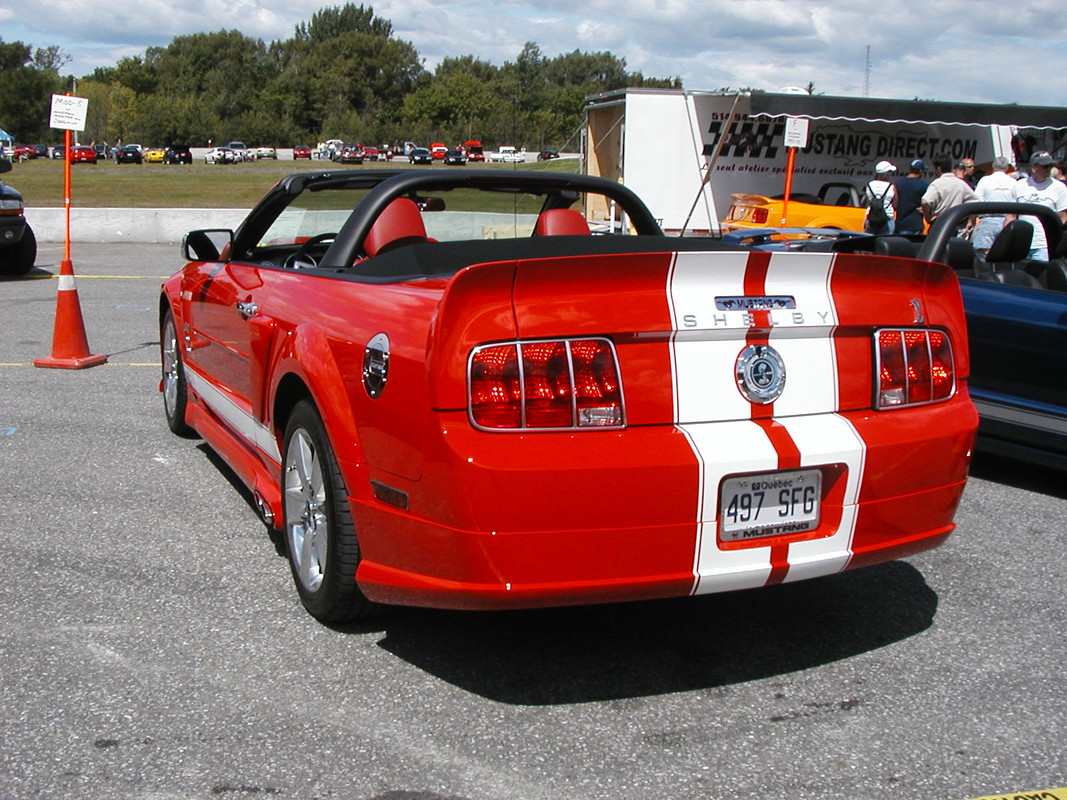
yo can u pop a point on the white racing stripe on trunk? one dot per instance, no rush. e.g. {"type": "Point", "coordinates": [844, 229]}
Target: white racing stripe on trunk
{"type": "Point", "coordinates": [716, 418]}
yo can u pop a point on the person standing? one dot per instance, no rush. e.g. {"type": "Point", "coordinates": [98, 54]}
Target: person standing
{"type": "Point", "coordinates": [909, 191]}
{"type": "Point", "coordinates": [880, 199]}
{"type": "Point", "coordinates": [947, 190]}
{"type": "Point", "coordinates": [997, 187]}
{"type": "Point", "coordinates": [1041, 188]}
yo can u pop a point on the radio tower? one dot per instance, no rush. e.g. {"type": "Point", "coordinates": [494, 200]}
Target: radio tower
{"type": "Point", "coordinates": [867, 74]}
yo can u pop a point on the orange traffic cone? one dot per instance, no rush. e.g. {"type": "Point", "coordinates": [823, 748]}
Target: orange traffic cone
{"type": "Point", "coordinates": [70, 347]}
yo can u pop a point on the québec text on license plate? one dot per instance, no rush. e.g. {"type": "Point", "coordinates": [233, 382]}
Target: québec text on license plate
{"type": "Point", "coordinates": [769, 504]}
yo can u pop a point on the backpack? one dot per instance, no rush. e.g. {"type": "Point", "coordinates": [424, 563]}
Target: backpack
{"type": "Point", "coordinates": [877, 219]}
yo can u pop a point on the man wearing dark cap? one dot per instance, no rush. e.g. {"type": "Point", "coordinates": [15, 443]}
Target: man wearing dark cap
{"type": "Point", "coordinates": [909, 191]}
{"type": "Point", "coordinates": [1041, 188]}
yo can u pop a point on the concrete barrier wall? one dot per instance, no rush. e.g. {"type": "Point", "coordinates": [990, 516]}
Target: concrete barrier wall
{"type": "Point", "coordinates": [150, 225]}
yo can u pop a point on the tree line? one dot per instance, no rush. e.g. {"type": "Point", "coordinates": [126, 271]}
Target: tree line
{"type": "Point", "coordinates": [343, 74]}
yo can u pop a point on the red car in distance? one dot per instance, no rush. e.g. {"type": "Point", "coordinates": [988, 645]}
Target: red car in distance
{"type": "Point", "coordinates": [301, 151]}
{"type": "Point", "coordinates": [82, 153]}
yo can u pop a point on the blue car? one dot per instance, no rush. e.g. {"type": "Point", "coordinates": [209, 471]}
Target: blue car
{"type": "Point", "coordinates": [1017, 325]}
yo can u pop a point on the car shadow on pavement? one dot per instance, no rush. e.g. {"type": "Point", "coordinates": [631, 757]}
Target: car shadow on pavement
{"type": "Point", "coordinates": [1019, 474]}
{"type": "Point", "coordinates": [614, 652]}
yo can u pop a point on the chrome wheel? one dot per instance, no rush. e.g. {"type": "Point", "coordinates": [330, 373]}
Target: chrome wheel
{"type": "Point", "coordinates": [307, 524]}
{"type": "Point", "coordinates": [173, 385]}
{"type": "Point", "coordinates": [319, 534]}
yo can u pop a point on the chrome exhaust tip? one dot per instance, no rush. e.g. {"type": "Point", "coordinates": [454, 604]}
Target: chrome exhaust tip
{"type": "Point", "coordinates": [263, 507]}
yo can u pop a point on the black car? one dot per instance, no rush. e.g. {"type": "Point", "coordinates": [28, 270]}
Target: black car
{"type": "Point", "coordinates": [455, 157]}
{"type": "Point", "coordinates": [102, 151]}
{"type": "Point", "coordinates": [129, 154]}
{"type": "Point", "coordinates": [178, 154]}
{"type": "Point", "coordinates": [40, 151]}
{"type": "Point", "coordinates": [59, 151]}
{"type": "Point", "coordinates": [547, 155]}
{"type": "Point", "coordinates": [19, 248]}
{"type": "Point", "coordinates": [420, 155]}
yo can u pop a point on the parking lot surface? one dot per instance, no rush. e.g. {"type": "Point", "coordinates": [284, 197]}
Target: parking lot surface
{"type": "Point", "coordinates": [152, 645]}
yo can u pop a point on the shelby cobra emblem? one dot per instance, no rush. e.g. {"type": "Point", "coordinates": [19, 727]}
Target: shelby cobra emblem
{"type": "Point", "coordinates": [760, 373]}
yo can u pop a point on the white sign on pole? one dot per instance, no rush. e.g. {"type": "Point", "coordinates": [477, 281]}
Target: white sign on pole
{"type": "Point", "coordinates": [796, 132]}
{"type": "Point", "coordinates": [68, 113]}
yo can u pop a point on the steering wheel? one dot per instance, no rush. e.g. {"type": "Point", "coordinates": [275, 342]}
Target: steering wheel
{"type": "Point", "coordinates": [302, 258]}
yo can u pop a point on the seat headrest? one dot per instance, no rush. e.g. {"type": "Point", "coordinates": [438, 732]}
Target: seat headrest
{"type": "Point", "coordinates": [895, 246]}
{"type": "Point", "coordinates": [400, 223]}
{"type": "Point", "coordinates": [1012, 243]}
{"type": "Point", "coordinates": [561, 222]}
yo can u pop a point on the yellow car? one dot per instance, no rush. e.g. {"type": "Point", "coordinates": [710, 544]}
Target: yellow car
{"type": "Point", "coordinates": [837, 205]}
{"type": "Point", "coordinates": [154, 155]}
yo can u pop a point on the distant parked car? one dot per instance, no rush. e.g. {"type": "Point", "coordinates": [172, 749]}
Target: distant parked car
{"type": "Point", "coordinates": [455, 157]}
{"type": "Point", "coordinates": [349, 153]}
{"type": "Point", "coordinates": [41, 150]}
{"type": "Point", "coordinates": [301, 151]}
{"type": "Point", "coordinates": [101, 151]}
{"type": "Point", "coordinates": [266, 152]}
{"type": "Point", "coordinates": [438, 150]}
{"type": "Point", "coordinates": [155, 155]}
{"type": "Point", "coordinates": [219, 155]}
{"type": "Point", "coordinates": [23, 152]}
{"type": "Point", "coordinates": [82, 153]}
{"type": "Point", "coordinates": [59, 151]}
{"type": "Point", "coordinates": [371, 154]}
{"type": "Point", "coordinates": [128, 154]}
{"type": "Point", "coordinates": [508, 154]}
{"type": "Point", "coordinates": [178, 154]}
{"type": "Point", "coordinates": [547, 155]}
{"type": "Point", "coordinates": [240, 151]}
{"type": "Point", "coordinates": [420, 155]}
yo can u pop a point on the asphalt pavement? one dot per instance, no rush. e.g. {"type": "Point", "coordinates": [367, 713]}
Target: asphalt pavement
{"type": "Point", "coordinates": [152, 645]}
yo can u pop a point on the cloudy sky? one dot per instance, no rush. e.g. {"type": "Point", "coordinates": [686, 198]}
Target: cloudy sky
{"type": "Point", "coordinates": [990, 51]}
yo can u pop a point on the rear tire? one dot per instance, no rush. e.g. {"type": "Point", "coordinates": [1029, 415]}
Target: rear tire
{"type": "Point", "coordinates": [319, 533]}
{"type": "Point", "coordinates": [18, 258]}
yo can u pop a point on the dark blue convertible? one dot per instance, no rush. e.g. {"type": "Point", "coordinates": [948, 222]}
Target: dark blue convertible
{"type": "Point", "coordinates": [1016, 319]}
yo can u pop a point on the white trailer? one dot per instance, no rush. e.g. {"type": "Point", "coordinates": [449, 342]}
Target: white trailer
{"type": "Point", "coordinates": [685, 152]}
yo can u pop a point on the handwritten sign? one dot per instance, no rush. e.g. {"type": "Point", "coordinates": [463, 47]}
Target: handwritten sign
{"type": "Point", "coordinates": [68, 112]}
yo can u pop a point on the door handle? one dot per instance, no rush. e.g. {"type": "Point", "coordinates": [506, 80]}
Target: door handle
{"type": "Point", "coordinates": [247, 308]}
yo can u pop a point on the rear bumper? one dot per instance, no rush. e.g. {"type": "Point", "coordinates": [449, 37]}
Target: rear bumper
{"type": "Point", "coordinates": [516, 521]}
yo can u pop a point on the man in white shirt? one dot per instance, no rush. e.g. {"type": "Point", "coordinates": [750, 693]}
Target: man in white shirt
{"type": "Point", "coordinates": [1041, 188]}
{"type": "Point", "coordinates": [997, 187]}
{"type": "Point", "coordinates": [947, 190]}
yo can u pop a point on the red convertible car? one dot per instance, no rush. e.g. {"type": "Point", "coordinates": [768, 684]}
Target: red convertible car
{"type": "Point", "coordinates": [447, 390]}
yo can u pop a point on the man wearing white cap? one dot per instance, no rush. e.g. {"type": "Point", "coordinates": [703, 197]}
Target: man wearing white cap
{"type": "Point", "coordinates": [880, 199]}
{"type": "Point", "coordinates": [1040, 188]}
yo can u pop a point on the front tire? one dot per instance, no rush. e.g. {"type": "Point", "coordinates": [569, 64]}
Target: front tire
{"type": "Point", "coordinates": [319, 533]}
{"type": "Point", "coordinates": [18, 258]}
{"type": "Point", "coordinates": [175, 392]}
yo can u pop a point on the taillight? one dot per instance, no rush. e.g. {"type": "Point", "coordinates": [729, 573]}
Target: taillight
{"type": "Point", "coordinates": [545, 385]}
{"type": "Point", "coordinates": [915, 366]}
{"type": "Point", "coordinates": [760, 215]}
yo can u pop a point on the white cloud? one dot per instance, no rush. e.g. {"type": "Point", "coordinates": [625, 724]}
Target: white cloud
{"type": "Point", "coordinates": [964, 50]}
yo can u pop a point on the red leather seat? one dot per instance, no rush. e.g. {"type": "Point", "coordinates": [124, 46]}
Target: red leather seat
{"type": "Point", "coordinates": [561, 222]}
{"type": "Point", "coordinates": [398, 225]}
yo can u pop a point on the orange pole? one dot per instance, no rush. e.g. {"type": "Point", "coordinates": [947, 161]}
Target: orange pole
{"type": "Point", "coordinates": [788, 183]}
{"type": "Point", "coordinates": [66, 193]}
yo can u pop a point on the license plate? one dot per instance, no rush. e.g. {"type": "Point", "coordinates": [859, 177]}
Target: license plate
{"type": "Point", "coordinates": [769, 504]}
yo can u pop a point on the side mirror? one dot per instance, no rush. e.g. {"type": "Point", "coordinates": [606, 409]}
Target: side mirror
{"type": "Point", "coordinates": [207, 245]}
